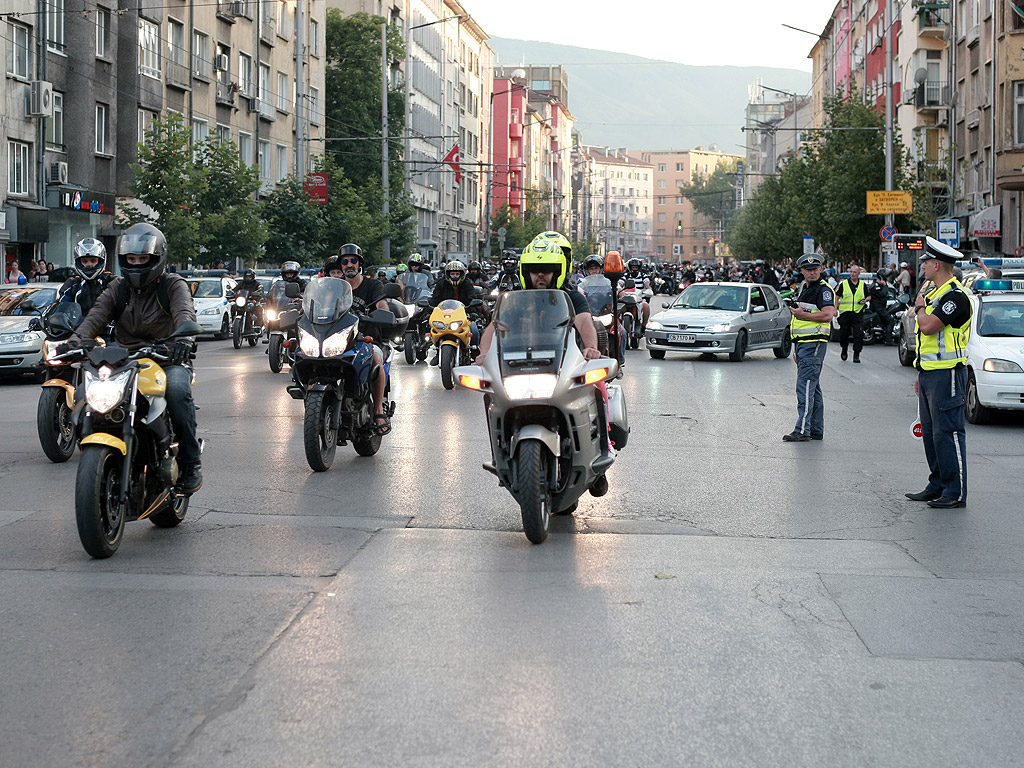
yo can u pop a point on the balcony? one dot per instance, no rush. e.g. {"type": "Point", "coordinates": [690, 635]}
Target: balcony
{"type": "Point", "coordinates": [177, 76]}
{"type": "Point", "coordinates": [932, 174]}
{"type": "Point", "coordinates": [267, 111]}
{"type": "Point", "coordinates": [226, 94]}
{"type": "Point", "coordinates": [931, 95]}
{"type": "Point", "coordinates": [1010, 170]}
{"type": "Point", "coordinates": [973, 118]}
{"type": "Point", "coordinates": [268, 29]}
{"type": "Point", "coordinates": [515, 130]}
{"type": "Point", "coordinates": [931, 23]}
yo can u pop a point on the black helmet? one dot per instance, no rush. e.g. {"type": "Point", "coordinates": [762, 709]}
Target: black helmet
{"type": "Point", "coordinates": [351, 249]}
{"type": "Point", "coordinates": [593, 260]}
{"type": "Point", "coordinates": [634, 265]}
{"type": "Point", "coordinates": [809, 261]}
{"type": "Point", "coordinates": [474, 267]}
{"type": "Point", "coordinates": [147, 240]}
{"type": "Point", "coordinates": [90, 248]}
{"type": "Point", "coordinates": [509, 262]}
{"type": "Point", "coordinates": [290, 266]}
{"type": "Point", "coordinates": [882, 273]}
{"type": "Point", "coordinates": [331, 262]}
{"type": "Point", "coordinates": [249, 274]}
{"type": "Point", "coordinates": [381, 273]}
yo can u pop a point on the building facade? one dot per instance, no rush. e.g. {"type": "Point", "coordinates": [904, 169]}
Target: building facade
{"type": "Point", "coordinates": [622, 190]}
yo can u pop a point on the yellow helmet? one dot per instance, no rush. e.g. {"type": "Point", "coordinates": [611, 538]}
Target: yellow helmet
{"type": "Point", "coordinates": [542, 255]}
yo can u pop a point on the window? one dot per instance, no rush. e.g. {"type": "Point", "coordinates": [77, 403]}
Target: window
{"type": "Point", "coordinates": [1018, 112]}
{"type": "Point", "coordinates": [17, 167]}
{"type": "Point", "coordinates": [200, 131]}
{"type": "Point", "coordinates": [20, 61]}
{"type": "Point", "coordinates": [282, 92]}
{"type": "Point", "coordinates": [200, 54]}
{"type": "Point", "coordinates": [515, 116]}
{"type": "Point", "coordinates": [314, 37]}
{"type": "Point", "coordinates": [540, 85]}
{"type": "Point", "coordinates": [223, 132]}
{"type": "Point", "coordinates": [149, 49]}
{"type": "Point", "coordinates": [176, 42]}
{"type": "Point", "coordinates": [245, 147]}
{"type": "Point", "coordinates": [1016, 16]}
{"type": "Point", "coordinates": [101, 129]}
{"type": "Point", "coordinates": [661, 217]}
{"type": "Point", "coordinates": [314, 105]}
{"type": "Point", "coordinates": [264, 85]}
{"type": "Point", "coordinates": [245, 74]}
{"type": "Point", "coordinates": [679, 167]}
{"type": "Point", "coordinates": [145, 123]}
{"type": "Point", "coordinates": [55, 25]}
{"type": "Point", "coordinates": [55, 124]}
{"type": "Point", "coordinates": [264, 160]}
{"type": "Point", "coordinates": [661, 200]}
{"type": "Point", "coordinates": [282, 162]}
{"type": "Point", "coordinates": [102, 31]}
{"type": "Point", "coordinates": [661, 167]}
{"type": "Point", "coordinates": [662, 184]}
{"type": "Point", "coordinates": [680, 199]}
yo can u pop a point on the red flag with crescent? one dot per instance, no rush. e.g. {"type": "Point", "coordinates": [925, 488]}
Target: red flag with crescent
{"type": "Point", "coordinates": [452, 159]}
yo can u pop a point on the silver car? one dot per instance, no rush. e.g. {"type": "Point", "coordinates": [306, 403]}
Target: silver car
{"type": "Point", "coordinates": [722, 318]}
{"type": "Point", "coordinates": [21, 334]}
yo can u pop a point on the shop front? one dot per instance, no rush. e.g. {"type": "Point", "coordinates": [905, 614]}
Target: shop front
{"type": "Point", "coordinates": [75, 214]}
{"type": "Point", "coordinates": [23, 229]}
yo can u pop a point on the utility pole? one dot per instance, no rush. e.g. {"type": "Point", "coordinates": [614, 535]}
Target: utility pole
{"type": "Point", "coordinates": [386, 245]}
{"type": "Point", "coordinates": [300, 91]}
{"type": "Point", "coordinates": [888, 25]}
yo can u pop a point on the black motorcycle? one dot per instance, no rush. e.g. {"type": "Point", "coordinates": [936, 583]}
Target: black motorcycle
{"type": "Point", "coordinates": [416, 340]}
{"type": "Point", "coordinates": [281, 313]}
{"type": "Point", "coordinates": [246, 317]}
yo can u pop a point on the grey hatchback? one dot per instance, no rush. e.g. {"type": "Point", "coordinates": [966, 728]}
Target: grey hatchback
{"type": "Point", "coordinates": [719, 318]}
{"type": "Point", "coordinates": [21, 334]}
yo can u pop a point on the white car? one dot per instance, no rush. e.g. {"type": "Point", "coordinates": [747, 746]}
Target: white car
{"type": "Point", "coordinates": [210, 297]}
{"type": "Point", "coordinates": [995, 351]}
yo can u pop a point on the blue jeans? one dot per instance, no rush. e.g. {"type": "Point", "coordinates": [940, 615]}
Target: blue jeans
{"type": "Point", "coordinates": [182, 410]}
{"type": "Point", "coordinates": [941, 402]}
{"type": "Point", "coordinates": [810, 406]}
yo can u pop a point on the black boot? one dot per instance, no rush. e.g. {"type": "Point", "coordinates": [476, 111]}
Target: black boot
{"type": "Point", "coordinates": [191, 479]}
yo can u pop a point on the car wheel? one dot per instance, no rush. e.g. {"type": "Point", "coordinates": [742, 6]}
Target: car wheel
{"type": "Point", "coordinates": [740, 351]}
{"type": "Point", "coordinates": [903, 350]}
{"type": "Point", "coordinates": [785, 349]}
{"type": "Point", "coordinates": [657, 354]}
{"type": "Point", "coordinates": [974, 411]}
{"type": "Point", "coordinates": [225, 329]}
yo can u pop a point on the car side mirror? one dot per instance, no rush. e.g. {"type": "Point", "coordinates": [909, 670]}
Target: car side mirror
{"type": "Point", "coordinates": [392, 291]}
{"type": "Point", "coordinates": [664, 305]}
{"type": "Point", "coordinates": [903, 298]}
{"type": "Point", "coordinates": [758, 308]}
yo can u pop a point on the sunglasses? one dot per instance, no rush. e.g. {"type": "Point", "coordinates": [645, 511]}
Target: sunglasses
{"type": "Point", "coordinates": [349, 260]}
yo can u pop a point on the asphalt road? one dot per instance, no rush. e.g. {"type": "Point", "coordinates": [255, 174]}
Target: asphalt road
{"type": "Point", "coordinates": [733, 600]}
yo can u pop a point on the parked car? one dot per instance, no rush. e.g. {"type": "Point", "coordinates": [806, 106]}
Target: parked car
{"type": "Point", "coordinates": [210, 297]}
{"type": "Point", "coordinates": [995, 351]}
{"type": "Point", "coordinates": [21, 334]}
{"type": "Point", "coordinates": [722, 318]}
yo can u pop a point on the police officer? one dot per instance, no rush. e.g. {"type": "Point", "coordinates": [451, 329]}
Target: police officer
{"type": "Point", "coordinates": [852, 293]}
{"type": "Point", "coordinates": [943, 328]}
{"type": "Point", "coordinates": [812, 322]}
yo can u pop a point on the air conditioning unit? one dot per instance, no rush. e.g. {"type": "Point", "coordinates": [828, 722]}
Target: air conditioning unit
{"type": "Point", "coordinates": [252, 104]}
{"type": "Point", "coordinates": [58, 173]}
{"type": "Point", "coordinates": [40, 99]}
{"type": "Point", "coordinates": [942, 117]}
{"type": "Point", "coordinates": [237, 8]}
{"type": "Point", "coordinates": [220, 62]}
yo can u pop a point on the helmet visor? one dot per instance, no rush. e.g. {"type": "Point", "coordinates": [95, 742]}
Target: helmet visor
{"type": "Point", "coordinates": [138, 243]}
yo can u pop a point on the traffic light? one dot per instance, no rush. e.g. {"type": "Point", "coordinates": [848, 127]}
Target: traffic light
{"type": "Point", "coordinates": [679, 225]}
{"type": "Point", "coordinates": [622, 224]}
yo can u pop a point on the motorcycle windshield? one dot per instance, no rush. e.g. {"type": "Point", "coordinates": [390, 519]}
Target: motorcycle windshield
{"type": "Point", "coordinates": [326, 299]}
{"type": "Point", "coordinates": [450, 305]}
{"type": "Point", "coordinates": [531, 330]}
{"type": "Point", "coordinates": [598, 291]}
{"type": "Point", "coordinates": [276, 297]}
{"type": "Point", "coordinates": [415, 287]}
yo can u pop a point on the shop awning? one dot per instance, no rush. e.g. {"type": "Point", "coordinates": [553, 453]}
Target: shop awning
{"type": "Point", "coordinates": [986, 223]}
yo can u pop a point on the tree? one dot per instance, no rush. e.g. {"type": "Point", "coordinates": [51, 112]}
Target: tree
{"type": "Point", "coordinates": [232, 222]}
{"type": "Point", "coordinates": [296, 225]}
{"type": "Point", "coordinates": [714, 195]}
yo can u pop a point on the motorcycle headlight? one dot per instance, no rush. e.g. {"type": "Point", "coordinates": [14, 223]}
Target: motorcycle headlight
{"type": "Point", "coordinates": [654, 325]}
{"type": "Point", "coordinates": [439, 325]}
{"type": "Point", "coordinates": [240, 301]}
{"type": "Point", "coordinates": [336, 343]}
{"type": "Point", "coordinates": [530, 386]}
{"type": "Point", "coordinates": [716, 328]}
{"type": "Point", "coordinates": [103, 391]}
{"type": "Point", "coordinates": [456, 325]}
{"type": "Point", "coordinates": [605, 320]}
{"type": "Point", "coordinates": [272, 314]}
{"type": "Point", "coordinates": [995, 365]}
{"type": "Point", "coordinates": [308, 344]}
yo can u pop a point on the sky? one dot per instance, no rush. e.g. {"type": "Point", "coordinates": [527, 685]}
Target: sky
{"type": "Point", "coordinates": [719, 32]}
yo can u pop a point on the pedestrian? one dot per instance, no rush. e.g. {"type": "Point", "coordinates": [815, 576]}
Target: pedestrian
{"type": "Point", "coordinates": [14, 273]}
{"type": "Point", "coordinates": [41, 274]}
{"type": "Point", "coordinates": [943, 327]}
{"type": "Point", "coordinates": [904, 281]}
{"type": "Point", "coordinates": [852, 294]}
{"type": "Point", "coordinates": [812, 322]}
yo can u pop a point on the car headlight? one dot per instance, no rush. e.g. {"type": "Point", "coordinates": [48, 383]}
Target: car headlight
{"type": "Point", "coordinates": [210, 311]}
{"type": "Point", "coordinates": [272, 314]}
{"type": "Point", "coordinates": [308, 344]}
{"type": "Point", "coordinates": [337, 343]}
{"type": "Point", "coordinates": [654, 325]}
{"type": "Point", "coordinates": [456, 325]}
{"type": "Point", "coordinates": [439, 325]}
{"type": "Point", "coordinates": [103, 391]}
{"type": "Point", "coordinates": [240, 301]}
{"type": "Point", "coordinates": [530, 386]}
{"type": "Point", "coordinates": [995, 365]}
{"type": "Point", "coordinates": [21, 338]}
{"type": "Point", "coordinates": [717, 328]}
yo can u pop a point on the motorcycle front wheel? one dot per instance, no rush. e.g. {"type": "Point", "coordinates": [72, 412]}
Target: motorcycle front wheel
{"type": "Point", "coordinates": [319, 433]}
{"type": "Point", "coordinates": [99, 516]}
{"type": "Point", "coordinates": [53, 422]}
{"type": "Point", "coordinates": [410, 347]}
{"type": "Point", "coordinates": [447, 363]}
{"type": "Point", "coordinates": [534, 501]}
{"type": "Point", "coordinates": [236, 333]}
{"type": "Point", "coordinates": [275, 351]}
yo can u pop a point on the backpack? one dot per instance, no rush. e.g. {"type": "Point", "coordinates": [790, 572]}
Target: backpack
{"type": "Point", "coordinates": [163, 287]}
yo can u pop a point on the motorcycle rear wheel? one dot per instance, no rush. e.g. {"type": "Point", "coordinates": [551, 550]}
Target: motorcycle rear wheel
{"type": "Point", "coordinates": [410, 348]}
{"type": "Point", "coordinates": [99, 517]}
{"type": "Point", "coordinates": [447, 363]}
{"type": "Point", "coordinates": [236, 333]}
{"type": "Point", "coordinates": [275, 354]}
{"type": "Point", "coordinates": [53, 422]}
{"type": "Point", "coordinates": [319, 436]}
{"type": "Point", "coordinates": [534, 501]}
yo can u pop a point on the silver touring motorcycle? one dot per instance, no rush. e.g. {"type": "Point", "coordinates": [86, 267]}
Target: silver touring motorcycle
{"type": "Point", "coordinates": [545, 412]}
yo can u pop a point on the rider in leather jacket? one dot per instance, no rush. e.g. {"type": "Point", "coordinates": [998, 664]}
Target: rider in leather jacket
{"type": "Point", "coordinates": [90, 279]}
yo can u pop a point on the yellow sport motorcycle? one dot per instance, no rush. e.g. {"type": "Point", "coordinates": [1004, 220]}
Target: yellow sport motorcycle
{"type": "Point", "coordinates": [128, 469]}
{"type": "Point", "coordinates": [451, 331]}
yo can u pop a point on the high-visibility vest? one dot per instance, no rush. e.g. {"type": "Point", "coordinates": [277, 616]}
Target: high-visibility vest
{"type": "Point", "coordinates": [808, 330]}
{"type": "Point", "coordinates": [947, 348]}
{"type": "Point", "coordinates": [851, 298]}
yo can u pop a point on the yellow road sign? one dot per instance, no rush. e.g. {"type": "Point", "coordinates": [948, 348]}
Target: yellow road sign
{"type": "Point", "coordinates": [890, 202]}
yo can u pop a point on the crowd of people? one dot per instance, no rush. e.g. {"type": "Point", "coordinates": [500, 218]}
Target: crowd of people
{"type": "Point", "coordinates": [37, 272]}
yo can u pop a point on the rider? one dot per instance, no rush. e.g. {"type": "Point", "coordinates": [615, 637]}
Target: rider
{"type": "Point", "coordinates": [508, 278]}
{"type": "Point", "coordinates": [255, 288]}
{"type": "Point", "coordinates": [367, 295]}
{"type": "Point", "coordinates": [142, 256]}
{"type": "Point", "coordinates": [878, 298]}
{"type": "Point", "coordinates": [455, 285]}
{"type": "Point", "coordinates": [92, 278]}
{"type": "Point", "coordinates": [594, 265]}
{"type": "Point", "coordinates": [475, 275]}
{"type": "Point", "coordinates": [640, 282]}
{"type": "Point", "coordinates": [417, 263]}
{"type": "Point", "coordinates": [290, 274]}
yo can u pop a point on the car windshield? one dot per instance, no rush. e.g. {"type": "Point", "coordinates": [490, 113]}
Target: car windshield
{"type": "Point", "coordinates": [12, 302]}
{"type": "Point", "coordinates": [725, 297]}
{"type": "Point", "coordinates": [326, 299]}
{"type": "Point", "coordinates": [415, 287]}
{"type": "Point", "coordinates": [598, 291]}
{"type": "Point", "coordinates": [1001, 318]}
{"type": "Point", "coordinates": [532, 327]}
{"type": "Point", "coordinates": [205, 289]}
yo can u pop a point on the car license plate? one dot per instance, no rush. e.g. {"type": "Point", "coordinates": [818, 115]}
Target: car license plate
{"type": "Point", "coordinates": [683, 338]}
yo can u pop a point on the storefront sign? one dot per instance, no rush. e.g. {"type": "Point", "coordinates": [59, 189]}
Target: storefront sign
{"type": "Point", "coordinates": [86, 201]}
{"type": "Point", "coordinates": [316, 188]}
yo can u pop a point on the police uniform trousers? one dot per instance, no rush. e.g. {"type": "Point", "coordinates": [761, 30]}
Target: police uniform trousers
{"type": "Point", "coordinates": [810, 405]}
{"type": "Point", "coordinates": [941, 402]}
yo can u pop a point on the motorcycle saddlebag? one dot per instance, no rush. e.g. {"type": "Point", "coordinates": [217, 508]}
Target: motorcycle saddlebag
{"type": "Point", "coordinates": [618, 427]}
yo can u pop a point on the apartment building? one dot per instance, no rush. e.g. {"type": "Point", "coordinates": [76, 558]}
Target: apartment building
{"type": "Point", "coordinates": [679, 230]}
{"type": "Point", "coordinates": [622, 198]}
{"type": "Point", "coordinates": [508, 148]}
{"type": "Point", "coordinates": [773, 129]}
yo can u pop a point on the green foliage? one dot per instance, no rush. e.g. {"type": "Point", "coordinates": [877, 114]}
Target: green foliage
{"type": "Point", "coordinates": [714, 195]}
{"type": "Point", "coordinates": [296, 225]}
{"type": "Point", "coordinates": [583, 248]}
{"type": "Point", "coordinates": [519, 232]}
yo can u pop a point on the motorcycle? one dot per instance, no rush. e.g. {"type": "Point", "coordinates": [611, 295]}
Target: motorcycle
{"type": "Point", "coordinates": [546, 417]}
{"type": "Point", "coordinates": [246, 318]}
{"type": "Point", "coordinates": [55, 411]}
{"type": "Point", "coordinates": [128, 469]}
{"type": "Point", "coordinates": [451, 332]}
{"type": "Point", "coordinates": [416, 340]}
{"type": "Point", "coordinates": [597, 289]}
{"type": "Point", "coordinates": [631, 314]}
{"type": "Point", "coordinates": [334, 372]}
{"type": "Point", "coordinates": [281, 313]}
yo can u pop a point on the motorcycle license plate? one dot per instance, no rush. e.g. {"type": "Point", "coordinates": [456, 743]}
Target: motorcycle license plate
{"type": "Point", "coordinates": [683, 338]}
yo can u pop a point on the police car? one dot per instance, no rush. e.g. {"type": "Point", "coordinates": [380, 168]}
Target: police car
{"type": "Point", "coordinates": [210, 297]}
{"type": "Point", "coordinates": [995, 350]}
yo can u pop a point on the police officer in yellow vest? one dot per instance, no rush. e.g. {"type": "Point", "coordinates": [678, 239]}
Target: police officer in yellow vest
{"type": "Point", "coordinates": [852, 293]}
{"type": "Point", "coordinates": [812, 312]}
{"type": "Point", "coordinates": [943, 327]}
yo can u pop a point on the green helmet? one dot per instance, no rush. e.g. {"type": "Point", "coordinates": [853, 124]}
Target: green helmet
{"type": "Point", "coordinates": [562, 242]}
{"type": "Point", "coordinates": [542, 256]}
{"type": "Point", "coordinates": [401, 268]}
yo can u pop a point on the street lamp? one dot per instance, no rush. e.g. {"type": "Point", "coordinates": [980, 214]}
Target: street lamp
{"type": "Point", "coordinates": [490, 155]}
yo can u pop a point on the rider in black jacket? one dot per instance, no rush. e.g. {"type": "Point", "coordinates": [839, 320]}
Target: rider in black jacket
{"type": "Point", "coordinates": [90, 278]}
{"type": "Point", "coordinates": [454, 285]}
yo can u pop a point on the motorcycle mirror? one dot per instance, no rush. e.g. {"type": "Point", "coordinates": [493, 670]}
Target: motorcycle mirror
{"type": "Point", "coordinates": [423, 303]}
{"type": "Point", "coordinates": [476, 303]}
{"type": "Point", "coordinates": [392, 291]}
{"type": "Point", "coordinates": [188, 328]}
{"type": "Point", "coordinates": [28, 307]}
{"type": "Point", "coordinates": [382, 317]}
{"type": "Point", "coordinates": [477, 292]}
{"type": "Point", "coordinates": [292, 290]}
{"type": "Point", "coordinates": [903, 298]}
